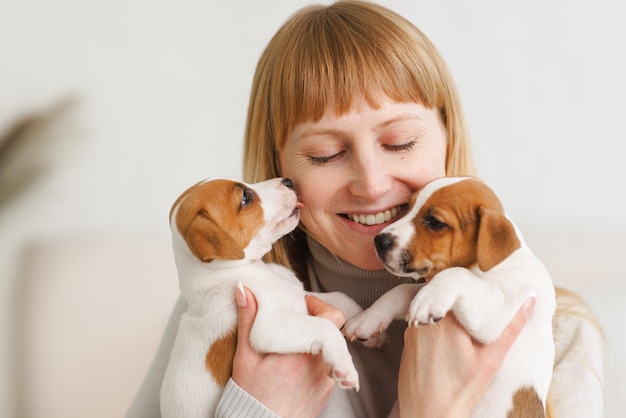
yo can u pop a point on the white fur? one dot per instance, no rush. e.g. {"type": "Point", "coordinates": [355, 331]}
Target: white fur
{"type": "Point", "coordinates": [484, 303]}
{"type": "Point", "coordinates": [403, 229]}
{"type": "Point", "coordinates": [282, 323]}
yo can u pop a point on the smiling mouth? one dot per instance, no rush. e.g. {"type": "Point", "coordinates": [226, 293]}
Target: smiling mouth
{"type": "Point", "coordinates": [377, 218]}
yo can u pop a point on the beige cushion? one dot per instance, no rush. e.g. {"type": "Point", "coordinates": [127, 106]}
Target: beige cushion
{"type": "Point", "coordinates": [91, 314]}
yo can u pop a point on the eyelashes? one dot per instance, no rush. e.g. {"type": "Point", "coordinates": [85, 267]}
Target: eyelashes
{"type": "Point", "coordinates": [402, 147]}
{"type": "Point", "coordinates": [407, 146]}
{"type": "Point", "coordinates": [325, 160]}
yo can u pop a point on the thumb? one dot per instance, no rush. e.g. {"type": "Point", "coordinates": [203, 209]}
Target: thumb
{"type": "Point", "coordinates": [317, 307]}
{"type": "Point", "coordinates": [502, 345]}
{"type": "Point", "coordinates": [247, 312]}
{"type": "Point", "coordinates": [519, 320]}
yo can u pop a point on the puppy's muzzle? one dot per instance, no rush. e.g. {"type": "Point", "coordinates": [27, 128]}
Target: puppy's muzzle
{"type": "Point", "coordinates": [384, 243]}
{"type": "Point", "coordinates": [288, 183]}
{"type": "Point", "coordinates": [397, 260]}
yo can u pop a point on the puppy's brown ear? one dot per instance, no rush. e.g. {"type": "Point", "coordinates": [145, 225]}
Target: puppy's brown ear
{"type": "Point", "coordinates": [497, 238]}
{"type": "Point", "coordinates": [208, 241]}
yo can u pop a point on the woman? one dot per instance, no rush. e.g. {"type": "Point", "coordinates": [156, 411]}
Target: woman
{"type": "Point", "coordinates": [356, 106]}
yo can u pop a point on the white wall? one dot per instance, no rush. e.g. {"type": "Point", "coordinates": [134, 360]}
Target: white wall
{"type": "Point", "coordinates": [163, 89]}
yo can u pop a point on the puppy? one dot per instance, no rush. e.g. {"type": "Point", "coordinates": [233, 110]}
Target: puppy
{"type": "Point", "coordinates": [475, 262]}
{"type": "Point", "coordinates": [220, 231]}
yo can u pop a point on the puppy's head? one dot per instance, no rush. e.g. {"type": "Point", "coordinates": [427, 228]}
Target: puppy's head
{"type": "Point", "coordinates": [230, 220]}
{"type": "Point", "coordinates": [451, 222]}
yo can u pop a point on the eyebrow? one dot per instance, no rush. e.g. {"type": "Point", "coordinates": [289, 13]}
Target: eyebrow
{"type": "Point", "coordinates": [319, 132]}
{"type": "Point", "coordinates": [313, 131]}
{"type": "Point", "coordinates": [401, 118]}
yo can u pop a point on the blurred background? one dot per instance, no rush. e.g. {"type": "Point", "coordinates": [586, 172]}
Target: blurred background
{"type": "Point", "coordinates": [109, 109]}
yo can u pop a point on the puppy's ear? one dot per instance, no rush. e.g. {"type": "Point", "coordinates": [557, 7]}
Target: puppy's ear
{"type": "Point", "coordinates": [208, 241]}
{"type": "Point", "coordinates": [497, 238]}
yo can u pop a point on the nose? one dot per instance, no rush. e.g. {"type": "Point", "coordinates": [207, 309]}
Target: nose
{"type": "Point", "coordinates": [288, 183]}
{"type": "Point", "coordinates": [383, 243]}
{"type": "Point", "coordinates": [370, 178]}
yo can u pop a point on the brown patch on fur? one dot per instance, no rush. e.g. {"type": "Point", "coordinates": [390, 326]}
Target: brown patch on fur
{"type": "Point", "coordinates": [213, 221]}
{"type": "Point", "coordinates": [497, 238]}
{"type": "Point", "coordinates": [526, 404]}
{"type": "Point", "coordinates": [477, 229]}
{"type": "Point", "coordinates": [219, 357]}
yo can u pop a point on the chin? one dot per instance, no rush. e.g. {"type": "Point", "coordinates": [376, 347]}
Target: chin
{"type": "Point", "coordinates": [361, 255]}
{"type": "Point", "coordinates": [365, 263]}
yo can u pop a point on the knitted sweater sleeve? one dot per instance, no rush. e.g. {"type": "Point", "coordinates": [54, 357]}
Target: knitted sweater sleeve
{"type": "Point", "coordinates": [235, 402]}
{"type": "Point", "coordinates": [578, 379]}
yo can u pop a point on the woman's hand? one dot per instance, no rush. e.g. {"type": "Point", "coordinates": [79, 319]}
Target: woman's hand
{"type": "Point", "coordinates": [294, 385]}
{"type": "Point", "coordinates": [444, 373]}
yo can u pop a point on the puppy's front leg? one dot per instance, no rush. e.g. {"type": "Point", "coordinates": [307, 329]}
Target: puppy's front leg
{"type": "Point", "coordinates": [289, 331]}
{"type": "Point", "coordinates": [370, 325]}
{"type": "Point", "coordinates": [483, 308]}
{"type": "Point", "coordinates": [348, 307]}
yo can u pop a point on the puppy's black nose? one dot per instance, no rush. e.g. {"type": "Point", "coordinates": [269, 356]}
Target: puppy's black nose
{"type": "Point", "coordinates": [288, 183]}
{"type": "Point", "coordinates": [383, 243]}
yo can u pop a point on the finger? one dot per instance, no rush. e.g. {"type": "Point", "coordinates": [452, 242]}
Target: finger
{"type": "Point", "coordinates": [517, 323]}
{"type": "Point", "coordinates": [497, 350]}
{"type": "Point", "coordinates": [318, 307]}
{"type": "Point", "coordinates": [446, 331]}
{"type": "Point", "coordinates": [247, 312]}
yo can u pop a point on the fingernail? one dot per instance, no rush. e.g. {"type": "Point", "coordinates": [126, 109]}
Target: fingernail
{"type": "Point", "coordinates": [240, 295]}
{"type": "Point", "coordinates": [528, 307]}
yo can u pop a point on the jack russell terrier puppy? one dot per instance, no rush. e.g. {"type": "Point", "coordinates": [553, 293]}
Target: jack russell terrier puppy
{"type": "Point", "coordinates": [475, 262]}
{"type": "Point", "coordinates": [220, 231]}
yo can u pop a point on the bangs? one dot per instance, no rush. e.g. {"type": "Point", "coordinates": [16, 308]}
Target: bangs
{"type": "Point", "coordinates": [324, 59]}
{"type": "Point", "coordinates": [337, 55]}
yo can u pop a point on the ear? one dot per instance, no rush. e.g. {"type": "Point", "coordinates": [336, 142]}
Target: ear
{"type": "Point", "coordinates": [208, 241]}
{"type": "Point", "coordinates": [497, 238]}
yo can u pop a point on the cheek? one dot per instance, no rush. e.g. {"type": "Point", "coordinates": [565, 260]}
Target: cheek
{"type": "Point", "coordinates": [430, 170]}
{"type": "Point", "coordinates": [437, 154]}
{"type": "Point", "coordinates": [421, 171]}
{"type": "Point", "coordinates": [435, 163]}
{"type": "Point", "coordinates": [425, 165]}
{"type": "Point", "coordinates": [314, 195]}
{"type": "Point", "coordinates": [247, 225]}
{"type": "Point", "coordinates": [310, 189]}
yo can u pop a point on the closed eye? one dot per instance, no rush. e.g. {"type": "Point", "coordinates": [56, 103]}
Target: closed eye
{"type": "Point", "coordinates": [401, 147]}
{"type": "Point", "coordinates": [434, 224]}
{"type": "Point", "coordinates": [326, 159]}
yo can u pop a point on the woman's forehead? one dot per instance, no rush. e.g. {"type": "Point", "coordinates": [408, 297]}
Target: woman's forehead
{"type": "Point", "coordinates": [388, 113]}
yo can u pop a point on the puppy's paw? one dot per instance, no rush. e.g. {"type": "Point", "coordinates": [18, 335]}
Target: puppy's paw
{"type": "Point", "coordinates": [340, 365]}
{"type": "Point", "coordinates": [346, 378]}
{"type": "Point", "coordinates": [431, 304]}
{"type": "Point", "coordinates": [367, 327]}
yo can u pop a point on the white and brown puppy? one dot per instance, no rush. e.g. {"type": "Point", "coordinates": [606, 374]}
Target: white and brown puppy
{"type": "Point", "coordinates": [220, 230]}
{"type": "Point", "coordinates": [457, 236]}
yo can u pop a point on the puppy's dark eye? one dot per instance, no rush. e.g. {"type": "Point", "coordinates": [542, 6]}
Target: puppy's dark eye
{"type": "Point", "coordinates": [247, 196]}
{"type": "Point", "coordinates": [434, 224]}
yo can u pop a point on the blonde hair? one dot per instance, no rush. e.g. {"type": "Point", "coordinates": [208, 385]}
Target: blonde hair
{"type": "Point", "coordinates": [323, 58]}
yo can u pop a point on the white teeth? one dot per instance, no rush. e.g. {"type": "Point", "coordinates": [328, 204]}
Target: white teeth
{"type": "Point", "coordinates": [375, 219]}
